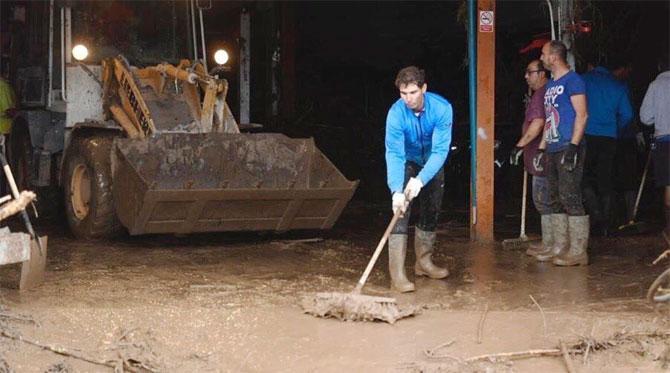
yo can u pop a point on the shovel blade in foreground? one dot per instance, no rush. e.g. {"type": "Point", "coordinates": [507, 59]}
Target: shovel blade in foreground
{"type": "Point", "coordinates": [32, 270]}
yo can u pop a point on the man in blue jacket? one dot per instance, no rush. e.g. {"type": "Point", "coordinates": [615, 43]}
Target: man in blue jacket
{"type": "Point", "coordinates": [418, 136]}
{"type": "Point", "coordinates": [610, 111]}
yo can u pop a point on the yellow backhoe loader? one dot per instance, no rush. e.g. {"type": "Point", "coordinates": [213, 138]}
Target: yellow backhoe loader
{"type": "Point", "coordinates": [156, 149]}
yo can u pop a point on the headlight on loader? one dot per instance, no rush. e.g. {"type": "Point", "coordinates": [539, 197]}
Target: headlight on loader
{"type": "Point", "coordinates": [221, 57]}
{"type": "Point", "coordinates": [79, 52]}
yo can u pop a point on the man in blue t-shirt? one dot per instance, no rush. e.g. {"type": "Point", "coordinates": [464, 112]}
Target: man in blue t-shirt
{"type": "Point", "coordinates": [565, 115]}
{"type": "Point", "coordinates": [418, 136]}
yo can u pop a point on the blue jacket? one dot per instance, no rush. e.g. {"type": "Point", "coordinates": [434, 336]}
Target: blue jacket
{"type": "Point", "coordinates": [423, 139]}
{"type": "Point", "coordinates": [609, 106]}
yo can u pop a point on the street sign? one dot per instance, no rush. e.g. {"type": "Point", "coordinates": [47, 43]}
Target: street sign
{"type": "Point", "coordinates": [486, 21]}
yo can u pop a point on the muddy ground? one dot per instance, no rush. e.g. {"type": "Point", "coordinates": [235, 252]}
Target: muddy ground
{"type": "Point", "coordinates": [230, 302]}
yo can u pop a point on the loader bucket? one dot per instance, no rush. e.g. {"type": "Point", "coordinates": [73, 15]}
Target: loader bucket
{"type": "Point", "coordinates": [210, 182]}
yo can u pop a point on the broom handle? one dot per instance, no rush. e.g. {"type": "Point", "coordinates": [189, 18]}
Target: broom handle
{"type": "Point", "coordinates": [639, 191]}
{"type": "Point", "coordinates": [522, 234]}
{"type": "Point", "coordinates": [378, 251]}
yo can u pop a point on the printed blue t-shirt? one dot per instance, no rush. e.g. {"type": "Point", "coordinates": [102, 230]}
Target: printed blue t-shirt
{"type": "Point", "coordinates": [558, 111]}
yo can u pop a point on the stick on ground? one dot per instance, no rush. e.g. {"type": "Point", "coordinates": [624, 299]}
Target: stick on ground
{"type": "Point", "coordinates": [432, 352]}
{"type": "Point", "coordinates": [64, 352]}
{"type": "Point", "coordinates": [544, 319]}
{"type": "Point", "coordinates": [566, 358]}
{"type": "Point", "coordinates": [515, 355]}
{"type": "Point", "coordinates": [480, 326]}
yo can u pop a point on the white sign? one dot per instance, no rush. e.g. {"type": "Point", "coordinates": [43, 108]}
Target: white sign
{"type": "Point", "coordinates": [486, 21]}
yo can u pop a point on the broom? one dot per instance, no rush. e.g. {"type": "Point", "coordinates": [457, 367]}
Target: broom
{"type": "Point", "coordinates": [632, 225]}
{"type": "Point", "coordinates": [515, 243]}
{"type": "Point", "coordinates": [355, 306]}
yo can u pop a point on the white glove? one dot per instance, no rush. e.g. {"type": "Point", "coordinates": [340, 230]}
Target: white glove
{"type": "Point", "coordinates": [413, 188]}
{"type": "Point", "coordinates": [399, 203]}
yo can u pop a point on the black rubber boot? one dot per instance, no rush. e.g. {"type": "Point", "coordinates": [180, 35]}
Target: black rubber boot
{"type": "Point", "coordinates": [592, 204]}
{"type": "Point", "coordinates": [629, 199]}
{"type": "Point", "coordinates": [605, 205]}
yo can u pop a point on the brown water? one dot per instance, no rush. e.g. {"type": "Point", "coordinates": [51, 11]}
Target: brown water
{"type": "Point", "coordinates": [231, 302]}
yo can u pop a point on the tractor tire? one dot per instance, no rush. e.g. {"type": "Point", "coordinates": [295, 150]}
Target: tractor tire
{"type": "Point", "coordinates": [87, 188]}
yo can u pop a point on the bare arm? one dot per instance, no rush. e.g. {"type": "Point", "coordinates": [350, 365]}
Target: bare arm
{"type": "Point", "coordinates": [534, 129]}
{"type": "Point", "coordinates": [579, 104]}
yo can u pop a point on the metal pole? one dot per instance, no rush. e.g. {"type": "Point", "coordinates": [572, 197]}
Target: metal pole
{"type": "Point", "coordinates": [63, 93]}
{"type": "Point", "coordinates": [245, 63]}
{"type": "Point", "coordinates": [202, 39]}
{"type": "Point", "coordinates": [551, 19]}
{"type": "Point", "coordinates": [566, 36]}
{"type": "Point", "coordinates": [50, 64]}
{"type": "Point", "coordinates": [472, 96]}
{"type": "Point", "coordinates": [195, 37]}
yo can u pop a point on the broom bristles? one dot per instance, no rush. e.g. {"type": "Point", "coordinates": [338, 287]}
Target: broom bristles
{"type": "Point", "coordinates": [355, 307]}
{"type": "Point", "coordinates": [516, 243]}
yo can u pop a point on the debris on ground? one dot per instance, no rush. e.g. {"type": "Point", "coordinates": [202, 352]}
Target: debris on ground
{"type": "Point", "coordinates": [61, 367]}
{"type": "Point", "coordinates": [4, 366]}
{"type": "Point", "coordinates": [131, 350]}
{"type": "Point", "coordinates": [638, 343]}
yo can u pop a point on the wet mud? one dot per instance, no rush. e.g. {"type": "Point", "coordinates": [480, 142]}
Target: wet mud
{"type": "Point", "coordinates": [232, 302]}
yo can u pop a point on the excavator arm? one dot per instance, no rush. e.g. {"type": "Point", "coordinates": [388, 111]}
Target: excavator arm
{"type": "Point", "coordinates": [134, 98]}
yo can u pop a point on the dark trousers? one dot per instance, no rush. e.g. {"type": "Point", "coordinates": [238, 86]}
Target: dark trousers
{"type": "Point", "coordinates": [598, 183]}
{"type": "Point", "coordinates": [429, 199]}
{"type": "Point", "coordinates": [565, 194]}
{"type": "Point", "coordinates": [626, 169]}
{"type": "Point", "coordinates": [599, 164]}
{"type": "Point", "coordinates": [541, 195]}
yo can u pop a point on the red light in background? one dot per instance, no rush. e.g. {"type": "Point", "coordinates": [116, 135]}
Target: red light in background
{"type": "Point", "coordinates": [584, 27]}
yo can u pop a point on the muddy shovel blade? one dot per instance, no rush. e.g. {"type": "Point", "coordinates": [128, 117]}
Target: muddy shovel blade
{"type": "Point", "coordinates": [32, 270]}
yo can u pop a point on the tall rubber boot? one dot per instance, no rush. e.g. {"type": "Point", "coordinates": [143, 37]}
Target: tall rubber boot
{"type": "Point", "coordinates": [579, 241]}
{"type": "Point", "coordinates": [592, 204]}
{"type": "Point", "coordinates": [605, 206]}
{"type": "Point", "coordinates": [629, 197]}
{"type": "Point", "coordinates": [424, 245]}
{"type": "Point", "coordinates": [559, 227]}
{"type": "Point", "coordinates": [547, 237]}
{"type": "Point", "coordinates": [397, 252]}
